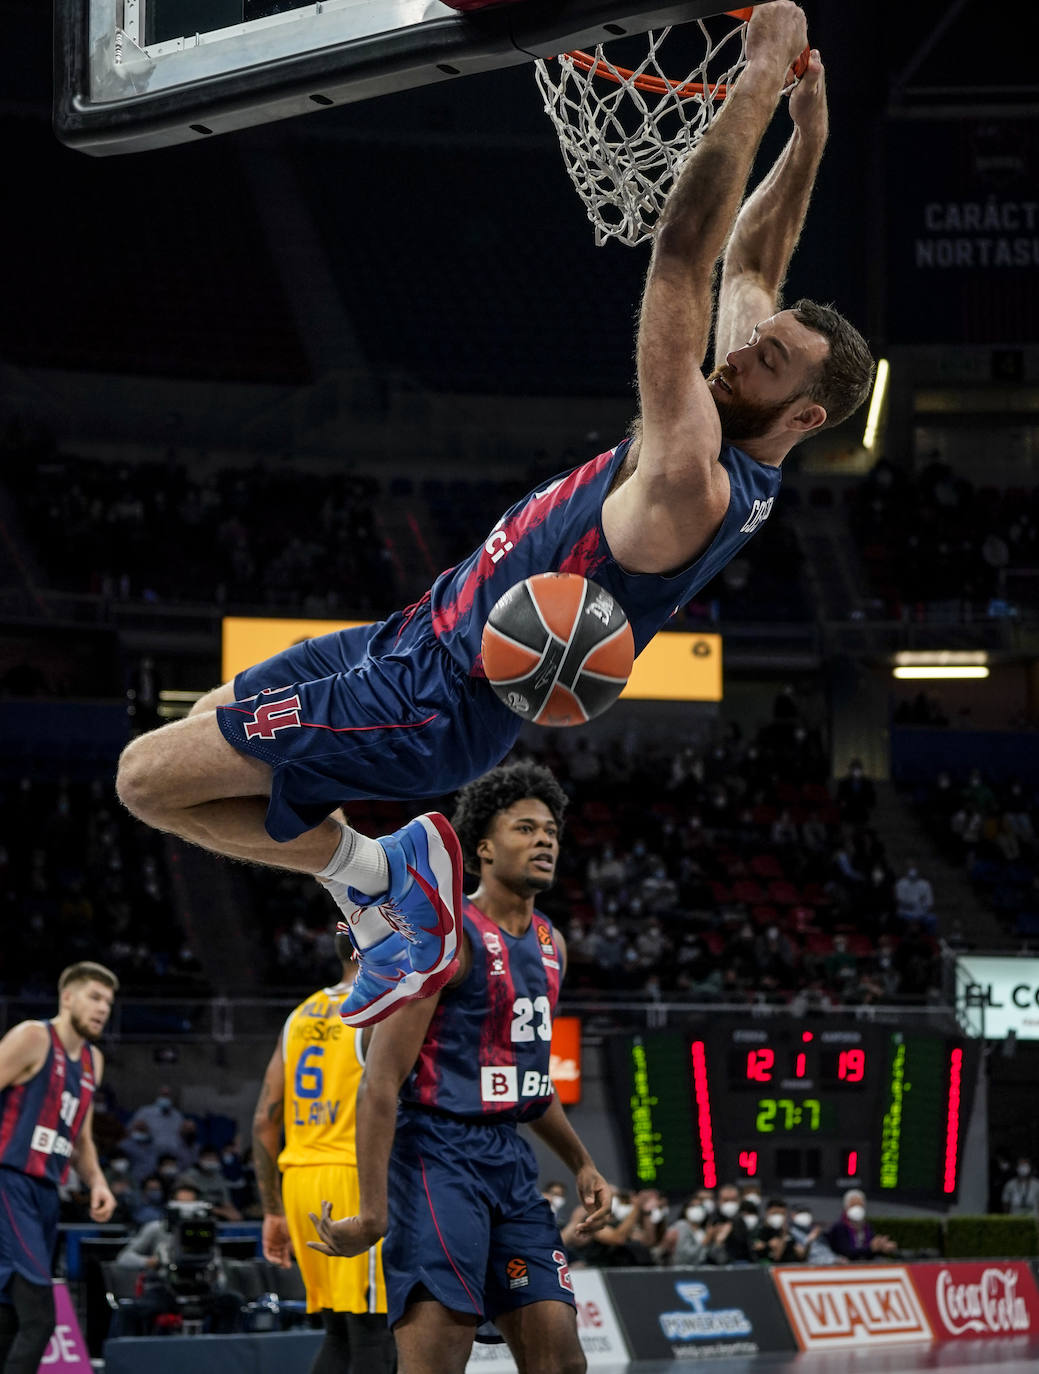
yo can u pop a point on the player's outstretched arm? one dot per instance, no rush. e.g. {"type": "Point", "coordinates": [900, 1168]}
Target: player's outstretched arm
{"type": "Point", "coordinates": [593, 1190]}
{"type": "Point", "coordinates": [673, 503]}
{"type": "Point", "coordinates": [391, 1055]}
{"type": "Point", "coordinates": [268, 1119]}
{"type": "Point", "coordinates": [769, 224]}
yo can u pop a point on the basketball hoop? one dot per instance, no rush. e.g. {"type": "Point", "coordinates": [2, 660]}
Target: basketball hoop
{"type": "Point", "coordinates": [625, 131]}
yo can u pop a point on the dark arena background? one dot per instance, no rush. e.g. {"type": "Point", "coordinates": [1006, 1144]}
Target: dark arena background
{"type": "Point", "coordinates": [265, 383]}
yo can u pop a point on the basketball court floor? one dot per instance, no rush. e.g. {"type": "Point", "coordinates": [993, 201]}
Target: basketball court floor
{"type": "Point", "coordinates": [1012, 1356]}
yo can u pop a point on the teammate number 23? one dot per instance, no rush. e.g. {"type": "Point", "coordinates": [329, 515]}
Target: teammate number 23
{"type": "Point", "coordinates": [523, 1013]}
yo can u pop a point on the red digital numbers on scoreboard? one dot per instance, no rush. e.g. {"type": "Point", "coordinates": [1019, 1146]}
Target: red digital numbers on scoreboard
{"type": "Point", "coordinates": [749, 1162]}
{"type": "Point", "coordinates": [851, 1066]}
{"type": "Point", "coordinates": [760, 1064]}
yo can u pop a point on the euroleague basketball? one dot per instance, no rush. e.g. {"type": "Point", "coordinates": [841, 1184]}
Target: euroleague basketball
{"type": "Point", "coordinates": [557, 649]}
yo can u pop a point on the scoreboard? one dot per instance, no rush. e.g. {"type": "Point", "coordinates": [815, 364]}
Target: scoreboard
{"type": "Point", "coordinates": [807, 1108]}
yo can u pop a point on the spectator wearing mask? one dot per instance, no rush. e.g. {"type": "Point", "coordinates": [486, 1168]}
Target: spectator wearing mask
{"type": "Point", "coordinates": [914, 899]}
{"type": "Point", "coordinates": [705, 1197]}
{"type": "Point", "coordinates": [151, 1204]}
{"type": "Point", "coordinates": [1021, 1193]}
{"type": "Point", "coordinates": [122, 1189]}
{"type": "Point", "coordinates": [772, 1242]}
{"type": "Point", "coordinates": [168, 1170]}
{"type": "Point", "coordinates": [852, 1236]}
{"type": "Point", "coordinates": [728, 1238]}
{"type": "Point", "coordinates": [208, 1178]}
{"type": "Point", "coordinates": [554, 1193]}
{"type": "Point", "coordinates": [162, 1120]}
{"type": "Point", "coordinates": [810, 1243]}
{"type": "Point", "coordinates": [140, 1150]}
{"type": "Point", "coordinates": [856, 795]}
{"type": "Point", "coordinates": [233, 1167]}
{"type": "Point", "coordinates": [685, 1241]}
{"type": "Point", "coordinates": [840, 965]}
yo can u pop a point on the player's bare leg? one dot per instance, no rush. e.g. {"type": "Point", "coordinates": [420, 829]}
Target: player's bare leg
{"type": "Point", "coordinates": [399, 894]}
{"type": "Point", "coordinates": [543, 1338]}
{"type": "Point", "coordinates": [185, 779]}
{"type": "Point", "coordinates": [433, 1340]}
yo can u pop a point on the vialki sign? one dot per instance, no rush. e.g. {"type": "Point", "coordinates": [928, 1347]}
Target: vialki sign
{"type": "Point", "coordinates": [837, 1308]}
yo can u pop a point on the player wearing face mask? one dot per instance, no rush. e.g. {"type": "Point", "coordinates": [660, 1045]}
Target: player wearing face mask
{"type": "Point", "coordinates": [852, 1236]}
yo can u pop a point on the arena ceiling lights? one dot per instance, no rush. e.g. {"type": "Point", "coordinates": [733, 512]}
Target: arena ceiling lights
{"type": "Point", "coordinates": [942, 663]}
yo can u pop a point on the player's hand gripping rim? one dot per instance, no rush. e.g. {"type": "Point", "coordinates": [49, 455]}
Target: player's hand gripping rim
{"type": "Point", "coordinates": [345, 1238]}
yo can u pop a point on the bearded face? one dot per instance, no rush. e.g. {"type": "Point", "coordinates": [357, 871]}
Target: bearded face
{"type": "Point", "coordinates": [741, 417]}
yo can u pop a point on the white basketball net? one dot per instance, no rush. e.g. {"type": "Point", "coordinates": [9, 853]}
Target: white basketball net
{"type": "Point", "coordinates": [622, 145]}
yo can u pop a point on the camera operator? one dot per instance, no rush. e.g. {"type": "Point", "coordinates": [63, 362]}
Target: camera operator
{"type": "Point", "coordinates": [182, 1273]}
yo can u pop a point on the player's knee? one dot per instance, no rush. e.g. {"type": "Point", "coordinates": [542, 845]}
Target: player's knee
{"type": "Point", "coordinates": [568, 1362]}
{"type": "Point", "coordinates": [138, 779]}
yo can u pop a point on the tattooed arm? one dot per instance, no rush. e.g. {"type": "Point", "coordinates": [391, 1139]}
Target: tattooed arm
{"type": "Point", "coordinates": [267, 1124]}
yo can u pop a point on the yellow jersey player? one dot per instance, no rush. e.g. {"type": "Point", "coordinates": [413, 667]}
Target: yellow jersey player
{"type": "Point", "coordinates": [308, 1097]}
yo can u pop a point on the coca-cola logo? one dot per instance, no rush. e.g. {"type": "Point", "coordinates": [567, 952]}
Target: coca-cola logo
{"type": "Point", "coordinates": [993, 1304]}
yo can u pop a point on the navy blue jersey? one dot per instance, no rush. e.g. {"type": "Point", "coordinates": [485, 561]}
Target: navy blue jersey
{"type": "Point", "coordinates": [488, 1047]}
{"type": "Point", "coordinates": [41, 1118]}
{"type": "Point", "coordinates": [558, 528]}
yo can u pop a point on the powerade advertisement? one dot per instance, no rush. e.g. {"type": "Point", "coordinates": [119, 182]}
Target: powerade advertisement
{"type": "Point", "coordinates": [698, 1314]}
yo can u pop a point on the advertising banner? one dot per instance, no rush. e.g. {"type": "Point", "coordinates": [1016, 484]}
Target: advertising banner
{"type": "Point", "coordinates": [66, 1349]}
{"type": "Point", "coordinates": [836, 1308]}
{"type": "Point", "coordinates": [697, 1314]}
{"type": "Point", "coordinates": [999, 994]}
{"type": "Point", "coordinates": [565, 1063]}
{"type": "Point", "coordinates": [962, 244]}
{"type": "Point", "coordinates": [675, 666]}
{"type": "Point", "coordinates": [597, 1328]}
{"type": "Point", "coordinates": [978, 1299]}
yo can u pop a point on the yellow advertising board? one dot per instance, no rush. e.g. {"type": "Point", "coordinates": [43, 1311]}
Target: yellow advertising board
{"type": "Point", "coordinates": [675, 666]}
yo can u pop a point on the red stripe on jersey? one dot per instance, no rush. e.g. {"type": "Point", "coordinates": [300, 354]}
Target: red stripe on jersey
{"type": "Point", "coordinates": [534, 513]}
{"type": "Point", "coordinates": [86, 1097]}
{"type": "Point", "coordinates": [427, 1076]}
{"type": "Point", "coordinates": [496, 1047]}
{"type": "Point", "coordinates": [12, 1114]}
{"type": "Point", "coordinates": [586, 555]}
{"type": "Point", "coordinates": [49, 1114]}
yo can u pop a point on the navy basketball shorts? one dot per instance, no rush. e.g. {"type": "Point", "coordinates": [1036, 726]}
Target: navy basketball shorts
{"type": "Point", "coordinates": [376, 711]}
{"type": "Point", "coordinates": [29, 1209]}
{"type": "Point", "coordinates": [467, 1222]}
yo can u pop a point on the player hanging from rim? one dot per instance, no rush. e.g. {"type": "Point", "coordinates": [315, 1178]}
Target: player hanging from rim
{"type": "Point", "coordinates": [49, 1072]}
{"type": "Point", "coordinates": [447, 1177]}
{"type": "Point", "coordinates": [399, 710]}
{"type": "Point", "coordinates": [308, 1096]}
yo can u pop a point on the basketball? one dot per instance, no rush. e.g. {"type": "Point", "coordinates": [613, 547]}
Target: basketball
{"type": "Point", "coordinates": [557, 649]}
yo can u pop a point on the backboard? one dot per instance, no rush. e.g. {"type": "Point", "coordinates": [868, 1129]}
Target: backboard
{"type": "Point", "coordinates": [137, 74]}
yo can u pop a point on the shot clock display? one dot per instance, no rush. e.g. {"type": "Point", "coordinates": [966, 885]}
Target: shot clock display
{"type": "Point", "coordinates": [796, 1107]}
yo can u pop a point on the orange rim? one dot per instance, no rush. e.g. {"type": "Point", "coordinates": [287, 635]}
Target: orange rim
{"type": "Point", "coordinates": [663, 85]}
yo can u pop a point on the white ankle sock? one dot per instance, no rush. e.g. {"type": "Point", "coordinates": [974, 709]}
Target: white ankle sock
{"type": "Point", "coordinates": [358, 862]}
